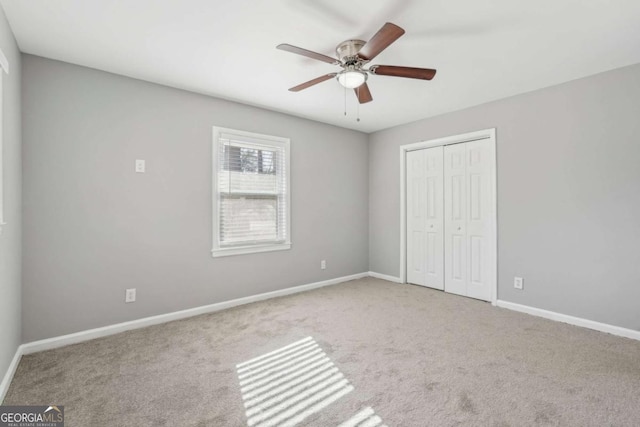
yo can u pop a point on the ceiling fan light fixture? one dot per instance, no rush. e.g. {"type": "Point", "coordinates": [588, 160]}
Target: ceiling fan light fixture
{"type": "Point", "coordinates": [352, 56]}
{"type": "Point", "coordinates": [351, 79]}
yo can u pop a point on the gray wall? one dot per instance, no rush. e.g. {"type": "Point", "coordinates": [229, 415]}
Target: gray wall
{"type": "Point", "coordinates": [11, 238]}
{"type": "Point", "coordinates": [568, 194]}
{"type": "Point", "coordinates": [93, 227]}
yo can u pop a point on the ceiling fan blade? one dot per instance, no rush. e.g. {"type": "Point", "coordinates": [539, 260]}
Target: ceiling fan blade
{"type": "Point", "coordinates": [408, 72]}
{"type": "Point", "coordinates": [312, 82]}
{"type": "Point", "coordinates": [363, 93]}
{"type": "Point", "coordinates": [307, 53]}
{"type": "Point", "coordinates": [380, 41]}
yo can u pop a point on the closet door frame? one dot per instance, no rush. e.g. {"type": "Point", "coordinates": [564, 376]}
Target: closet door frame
{"type": "Point", "coordinates": [486, 134]}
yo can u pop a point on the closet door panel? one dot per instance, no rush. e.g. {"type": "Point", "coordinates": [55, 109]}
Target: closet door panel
{"type": "Point", "coordinates": [434, 217]}
{"type": "Point", "coordinates": [416, 221]}
{"type": "Point", "coordinates": [425, 209]}
{"type": "Point", "coordinates": [455, 219]}
{"type": "Point", "coordinates": [479, 224]}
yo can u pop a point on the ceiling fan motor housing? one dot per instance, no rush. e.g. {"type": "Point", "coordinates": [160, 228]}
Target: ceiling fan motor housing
{"type": "Point", "coordinates": [347, 51]}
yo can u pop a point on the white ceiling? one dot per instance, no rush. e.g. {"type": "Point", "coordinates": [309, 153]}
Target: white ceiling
{"type": "Point", "coordinates": [483, 50]}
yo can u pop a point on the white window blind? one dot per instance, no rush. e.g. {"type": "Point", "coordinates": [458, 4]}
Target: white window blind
{"type": "Point", "coordinates": [251, 186]}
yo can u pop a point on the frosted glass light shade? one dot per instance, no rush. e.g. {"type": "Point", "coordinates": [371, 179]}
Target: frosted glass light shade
{"type": "Point", "coordinates": [352, 79]}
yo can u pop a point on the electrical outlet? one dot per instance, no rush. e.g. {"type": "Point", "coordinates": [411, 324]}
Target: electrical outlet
{"type": "Point", "coordinates": [518, 283]}
{"type": "Point", "coordinates": [140, 166]}
{"type": "Point", "coordinates": [130, 295]}
{"type": "Point", "coordinates": [323, 265]}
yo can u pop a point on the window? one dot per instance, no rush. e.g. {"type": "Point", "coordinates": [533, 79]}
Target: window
{"type": "Point", "coordinates": [251, 203]}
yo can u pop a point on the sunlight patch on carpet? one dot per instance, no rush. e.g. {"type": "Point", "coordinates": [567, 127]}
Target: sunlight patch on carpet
{"type": "Point", "coordinates": [365, 418]}
{"type": "Point", "coordinates": [285, 386]}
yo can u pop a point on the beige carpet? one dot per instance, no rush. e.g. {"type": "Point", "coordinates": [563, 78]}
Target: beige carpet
{"type": "Point", "coordinates": [409, 355]}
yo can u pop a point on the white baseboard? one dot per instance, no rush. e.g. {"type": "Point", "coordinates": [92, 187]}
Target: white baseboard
{"type": "Point", "coordinates": [577, 321]}
{"type": "Point", "coordinates": [385, 277]}
{"type": "Point", "coordinates": [8, 376]}
{"type": "Point", "coordinates": [61, 341]}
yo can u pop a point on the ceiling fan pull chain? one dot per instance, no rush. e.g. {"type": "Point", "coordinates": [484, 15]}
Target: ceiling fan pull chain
{"type": "Point", "coordinates": [345, 101]}
{"type": "Point", "coordinates": [358, 105]}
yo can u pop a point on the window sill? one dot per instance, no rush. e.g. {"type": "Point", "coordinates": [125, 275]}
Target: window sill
{"type": "Point", "coordinates": [242, 250]}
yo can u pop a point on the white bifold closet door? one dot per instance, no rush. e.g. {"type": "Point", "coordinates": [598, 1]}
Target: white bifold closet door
{"type": "Point", "coordinates": [425, 213]}
{"type": "Point", "coordinates": [451, 218]}
{"type": "Point", "coordinates": [469, 210]}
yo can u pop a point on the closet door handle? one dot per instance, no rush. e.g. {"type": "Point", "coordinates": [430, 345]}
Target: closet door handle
{"type": "Point", "coordinates": [459, 228]}
{"type": "Point", "coordinates": [431, 226]}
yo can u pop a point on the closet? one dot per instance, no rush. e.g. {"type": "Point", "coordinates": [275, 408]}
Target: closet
{"type": "Point", "coordinates": [450, 218]}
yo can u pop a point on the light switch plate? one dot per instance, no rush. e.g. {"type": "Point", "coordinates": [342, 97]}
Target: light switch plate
{"type": "Point", "coordinates": [140, 166]}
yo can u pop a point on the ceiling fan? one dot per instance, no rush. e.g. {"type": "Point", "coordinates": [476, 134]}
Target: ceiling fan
{"type": "Point", "coordinates": [353, 55]}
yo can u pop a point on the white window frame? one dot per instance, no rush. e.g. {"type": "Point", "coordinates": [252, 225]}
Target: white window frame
{"type": "Point", "coordinates": [4, 64]}
{"type": "Point", "coordinates": [268, 140]}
